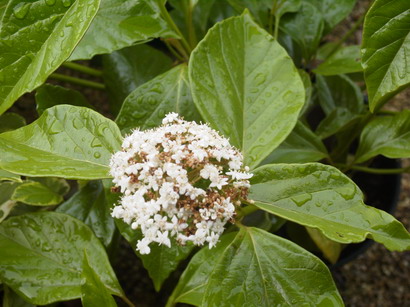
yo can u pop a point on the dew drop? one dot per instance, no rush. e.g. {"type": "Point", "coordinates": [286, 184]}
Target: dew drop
{"type": "Point", "coordinates": [20, 10]}
{"type": "Point", "coordinates": [260, 79]}
{"type": "Point", "coordinates": [302, 199]}
{"type": "Point", "coordinates": [97, 155]}
{"type": "Point", "coordinates": [50, 2]}
{"type": "Point", "coordinates": [66, 3]}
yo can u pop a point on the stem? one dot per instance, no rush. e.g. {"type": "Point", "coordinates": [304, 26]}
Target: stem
{"type": "Point", "coordinates": [173, 51]}
{"type": "Point", "coordinates": [190, 25]}
{"type": "Point", "coordinates": [127, 301]}
{"type": "Point", "coordinates": [170, 22]}
{"type": "Point", "coordinates": [353, 29]}
{"type": "Point", "coordinates": [83, 68]}
{"type": "Point", "coordinates": [78, 81]}
{"type": "Point", "coordinates": [246, 210]}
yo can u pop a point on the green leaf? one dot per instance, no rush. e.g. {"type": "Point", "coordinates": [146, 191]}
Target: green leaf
{"type": "Point", "coordinates": [11, 121]}
{"type": "Point", "coordinates": [48, 96]}
{"type": "Point", "coordinates": [341, 100]}
{"type": "Point", "coordinates": [305, 27]}
{"type": "Point", "coordinates": [11, 299]}
{"type": "Point", "coordinates": [42, 257]}
{"type": "Point", "coordinates": [331, 250]}
{"type": "Point", "coordinates": [35, 38]}
{"type": "Point", "coordinates": [6, 204]}
{"type": "Point", "coordinates": [66, 141]}
{"type": "Point", "coordinates": [93, 289]}
{"type": "Point", "coordinates": [239, 85]}
{"type": "Point", "coordinates": [333, 11]}
{"type": "Point", "coordinates": [191, 285]}
{"type": "Point", "coordinates": [36, 194]}
{"type": "Point", "coordinates": [320, 196]}
{"type": "Point", "coordinates": [385, 50]}
{"type": "Point", "coordinates": [147, 105]}
{"type": "Point", "coordinates": [345, 60]}
{"type": "Point", "coordinates": [126, 69]}
{"type": "Point", "coordinates": [92, 206]}
{"type": "Point", "coordinates": [385, 135]}
{"type": "Point", "coordinates": [5, 175]}
{"type": "Point", "coordinates": [57, 185]}
{"type": "Point", "coordinates": [162, 260]}
{"type": "Point", "coordinates": [307, 83]}
{"type": "Point", "coordinates": [301, 146]}
{"type": "Point", "coordinates": [119, 24]}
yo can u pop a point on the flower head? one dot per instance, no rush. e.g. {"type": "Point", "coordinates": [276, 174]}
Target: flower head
{"type": "Point", "coordinates": [181, 180]}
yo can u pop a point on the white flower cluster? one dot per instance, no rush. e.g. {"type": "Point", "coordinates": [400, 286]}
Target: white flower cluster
{"type": "Point", "coordinates": [181, 180]}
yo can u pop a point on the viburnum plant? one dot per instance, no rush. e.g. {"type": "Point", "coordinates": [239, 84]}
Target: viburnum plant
{"type": "Point", "coordinates": [211, 152]}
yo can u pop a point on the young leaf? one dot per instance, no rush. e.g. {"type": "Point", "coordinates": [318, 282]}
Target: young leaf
{"type": "Point", "coordinates": [191, 285]}
{"type": "Point", "coordinates": [126, 69]}
{"type": "Point", "coordinates": [66, 141]}
{"type": "Point", "coordinates": [119, 24]}
{"type": "Point", "coordinates": [162, 260]}
{"type": "Point", "coordinates": [239, 85]}
{"type": "Point", "coordinates": [320, 196]}
{"type": "Point", "coordinates": [11, 121]}
{"type": "Point", "coordinates": [93, 290]}
{"type": "Point", "coordinates": [36, 194]}
{"type": "Point", "coordinates": [49, 95]}
{"type": "Point", "coordinates": [344, 61]}
{"type": "Point", "coordinates": [385, 135]}
{"type": "Point", "coordinates": [305, 27]}
{"type": "Point", "coordinates": [5, 175]}
{"type": "Point", "coordinates": [147, 105]}
{"type": "Point", "coordinates": [42, 260]}
{"type": "Point", "coordinates": [91, 206]}
{"type": "Point", "coordinates": [301, 146]}
{"type": "Point", "coordinates": [333, 12]}
{"type": "Point", "coordinates": [36, 37]}
{"type": "Point", "coordinates": [386, 41]}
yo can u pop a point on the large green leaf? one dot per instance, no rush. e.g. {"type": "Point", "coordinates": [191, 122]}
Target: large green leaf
{"type": "Point", "coordinates": [345, 60]}
{"type": "Point", "coordinates": [119, 24]}
{"type": "Point", "coordinates": [49, 95]}
{"type": "Point", "coordinates": [93, 290]}
{"type": "Point", "coordinates": [385, 135]}
{"type": "Point", "coordinates": [162, 260]}
{"type": "Point", "coordinates": [35, 38]}
{"type": "Point", "coordinates": [36, 194]}
{"type": "Point", "coordinates": [42, 256]}
{"type": "Point", "coordinates": [147, 105]}
{"type": "Point", "coordinates": [333, 11]}
{"type": "Point", "coordinates": [126, 69]}
{"type": "Point", "coordinates": [260, 269]}
{"type": "Point", "coordinates": [385, 50]}
{"type": "Point", "coordinates": [305, 27]}
{"type": "Point", "coordinates": [66, 141]}
{"type": "Point", "coordinates": [246, 87]}
{"type": "Point", "coordinates": [301, 146]}
{"type": "Point", "coordinates": [11, 121]}
{"type": "Point", "coordinates": [92, 206]}
{"type": "Point", "coordinates": [320, 196]}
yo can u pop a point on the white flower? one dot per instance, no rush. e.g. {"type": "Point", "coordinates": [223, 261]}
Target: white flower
{"type": "Point", "coordinates": [181, 180]}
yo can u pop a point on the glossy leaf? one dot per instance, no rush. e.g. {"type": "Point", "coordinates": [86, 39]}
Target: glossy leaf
{"type": "Point", "coordinates": [36, 194]}
{"type": "Point", "coordinates": [147, 105]}
{"type": "Point", "coordinates": [57, 185]}
{"type": "Point", "coordinates": [385, 50]}
{"type": "Point", "coordinates": [126, 69]}
{"type": "Point", "coordinates": [91, 206]}
{"type": "Point", "coordinates": [93, 290]}
{"type": "Point", "coordinates": [42, 259]}
{"type": "Point", "coordinates": [333, 11]}
{"type": "Point", "coordinates": [35, 39]}
{"type": "Point", "coordinates": [66, 141]}
{"type": "Point", "coordinates": [11, 121]}
{"type": "Point", "coordinates": [192, 283]}
{"type": "Point", "coordinates": [48, 96]}
{"type": "Point", "coordinates": [344, 61]}
{"type": "Point", "coordinates": [385, 135]}
{"type": "Point", "coordinates": [301, 146]}
{"type": "Point", "coordinates": [239, 85]}
{"type": "Point", "coordinates": [162, 260]}
{"type": "Point", "coordinates": [305, 27]}
{"type": "Point", "coordinates": [120, 24]}
{"type": "Point", "coordinates": [5, 175]}
{"type": "Point", "coordinates": [320, 196]}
